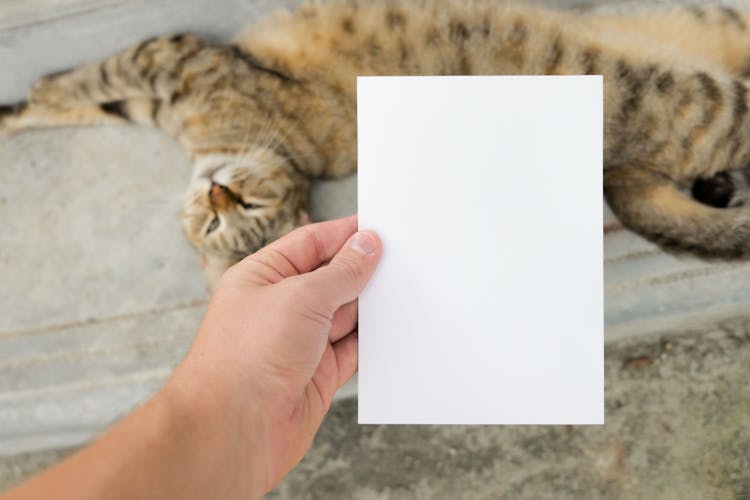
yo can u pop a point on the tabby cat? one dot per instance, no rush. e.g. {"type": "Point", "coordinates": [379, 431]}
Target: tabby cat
{"type": "Point", "coordinates": [264, 115]}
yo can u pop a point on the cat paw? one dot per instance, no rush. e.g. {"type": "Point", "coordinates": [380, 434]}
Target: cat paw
{"type": "Point", "coordinates": [727, 189]}
{"type": "Point", "coordinates": [716, 191]}
{"type": "Point", "coordinates": [9, 114]}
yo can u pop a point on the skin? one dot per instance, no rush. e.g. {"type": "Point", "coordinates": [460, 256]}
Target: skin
{"type": "Point", "coordinates": [278, 339]}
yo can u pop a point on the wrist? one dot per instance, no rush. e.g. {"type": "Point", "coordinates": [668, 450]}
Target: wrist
{"type": "Point", "coordinates": [227, 443]}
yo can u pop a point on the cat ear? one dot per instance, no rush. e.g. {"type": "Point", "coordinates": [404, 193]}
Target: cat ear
{"type": "Point", "coordinates": [213, 267]}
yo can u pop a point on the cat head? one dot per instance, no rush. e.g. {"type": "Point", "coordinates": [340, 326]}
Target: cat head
{"type": "Point", "coordinates": [236, 204]}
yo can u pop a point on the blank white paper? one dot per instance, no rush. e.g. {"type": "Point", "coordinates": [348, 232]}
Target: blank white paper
{"type": "Point", "coordinates": [487, 305]}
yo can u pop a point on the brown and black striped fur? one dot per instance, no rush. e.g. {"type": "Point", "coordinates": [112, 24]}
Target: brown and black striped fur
{"type": "Point", "coordinates": [262, 116]}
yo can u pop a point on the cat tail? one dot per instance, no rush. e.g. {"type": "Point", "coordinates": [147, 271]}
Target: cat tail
{"type": "Point", "coordinates": [653, 205]}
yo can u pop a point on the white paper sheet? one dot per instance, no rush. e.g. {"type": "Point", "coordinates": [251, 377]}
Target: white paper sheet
{"type": "Point", "coordinates": [487, 305]}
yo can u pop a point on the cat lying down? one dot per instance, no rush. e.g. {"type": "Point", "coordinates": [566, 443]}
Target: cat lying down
{"type": "Point", "coordinates": [262, 116]}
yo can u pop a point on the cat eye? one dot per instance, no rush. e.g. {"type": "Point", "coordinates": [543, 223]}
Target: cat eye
{"type": "Point", "coordinates": [212, 226]}
{"type": "Point", "coordinates": [248, 206]}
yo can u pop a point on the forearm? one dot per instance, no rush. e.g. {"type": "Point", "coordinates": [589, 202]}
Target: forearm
{"type": "Point", "coordinates": [171, 447]}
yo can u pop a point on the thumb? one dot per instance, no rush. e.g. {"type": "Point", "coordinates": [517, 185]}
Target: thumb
{"type": "Point", "coordinates": [344, 278]}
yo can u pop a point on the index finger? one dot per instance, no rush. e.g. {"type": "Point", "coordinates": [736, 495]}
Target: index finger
{"type": "Point", "coordinates": [307, 247]}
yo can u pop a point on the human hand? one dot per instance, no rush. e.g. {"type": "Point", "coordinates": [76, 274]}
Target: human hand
{"type": "Point", "coordinates": [278, 339]}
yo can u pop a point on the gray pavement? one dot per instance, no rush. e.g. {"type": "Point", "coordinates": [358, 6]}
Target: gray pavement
{"type": "Point", "coordinates": [677, 428]}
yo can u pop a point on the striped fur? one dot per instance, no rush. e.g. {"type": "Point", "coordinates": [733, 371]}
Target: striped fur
{"type": "Point", "coordinates": [264, 115]}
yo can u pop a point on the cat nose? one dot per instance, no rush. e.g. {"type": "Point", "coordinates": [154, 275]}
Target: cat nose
{"type": "Point", "coordinates": [219, 196]}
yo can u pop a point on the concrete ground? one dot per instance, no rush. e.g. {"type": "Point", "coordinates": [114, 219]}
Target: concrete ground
{"type": "Point", "coordinates": [677, 427]}
{"type": "Point", "coordinates": [101, 295]}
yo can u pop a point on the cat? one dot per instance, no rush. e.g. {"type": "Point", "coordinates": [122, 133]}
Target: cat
{"type": "Point", "coordinates": [263, 116]}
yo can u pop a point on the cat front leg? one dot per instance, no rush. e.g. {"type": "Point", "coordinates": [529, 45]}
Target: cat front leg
{"type": "Point", "coordinates": [30, 115]}
{"type": "Point", "coordinates": [152, 69]}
